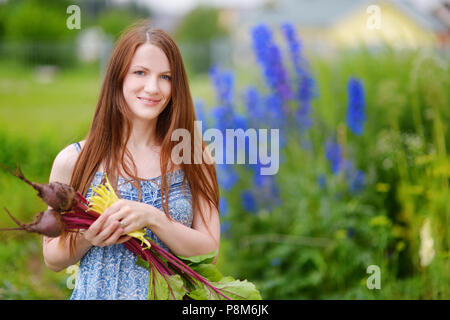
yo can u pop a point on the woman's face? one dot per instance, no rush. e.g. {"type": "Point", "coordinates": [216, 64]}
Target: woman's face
{"type": "Point", "coordinates": [147, 85]}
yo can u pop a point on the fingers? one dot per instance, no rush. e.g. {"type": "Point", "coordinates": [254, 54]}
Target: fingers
{"type": "Point", "coordinates": [123, 239]}
{"type": "Point", "coordinates": [112, 226]}
{"type": "Point", "coordinates": [117, 213]}
{"type": "Point", "coordinates": [127, 225]}
{"type": "Point", "coordinates": [118, 206]}
{"type": "Point", "coordinates": [114, 237]}
{"type": "Point", "coordinates": [95, 228]}
{"type": "Point", "coordinates": [107, 236]}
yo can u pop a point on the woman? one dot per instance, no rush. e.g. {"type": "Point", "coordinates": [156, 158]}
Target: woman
{"type": "Point", "coordinates": [144, 98]}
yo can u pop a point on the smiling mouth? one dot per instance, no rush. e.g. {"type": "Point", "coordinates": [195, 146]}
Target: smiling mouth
{"type": "Point", "coordinates": [149, 100]}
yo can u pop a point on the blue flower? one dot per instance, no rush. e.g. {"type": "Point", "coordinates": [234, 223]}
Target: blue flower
{"type": "Point", "coordinates": [269, 57]}
{"type": "Point", "coordinates": [223, 206]}
{"type": "Point", "coordinates": [227, 176]}
{"type": "Point", "coordinates": [275, 114]}
{"type": "Point", "coordinates": [333, 154]}
{"type": "Point", "coordinates": [356, 178]}
{"type": "Point", "coordinates": [223, 82]}
{"type": "Point", "coordinates": [322, 181]}
{"type": "Point", "coordinates": [223, 118]}
{"type": "Point", "coordinates": [350, 232]}
{"type": "Point", "coordinates": [357, 181]}
{"type": "Point", "coordinates": [225, 226]}
{"type": "Point", "coordinates": [275, 262]}
{"type": "Point", "coordinates": [248, 201]}
{"type": "Point", "coordinates": [356, 115]}
{"type": "Point", "coordinates": [239, 122]}
{"type": "Point", "coordinates": [201, 114]}
{"type": "Point", "coordinates": [254, 104]}
{"type": "Point", "coordinates": [306, 89]}
{"type": "Point", "coordinates": [265, 111]}
{"type": "Point", "coordinates": [224, 114]}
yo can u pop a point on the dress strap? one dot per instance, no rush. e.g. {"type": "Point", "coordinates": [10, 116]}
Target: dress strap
{"type": "Point", "coordinates": [77, 146]}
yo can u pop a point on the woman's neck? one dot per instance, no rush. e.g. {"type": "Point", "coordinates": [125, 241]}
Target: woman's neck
{"type": "Point", "coordinates": [143, 136]}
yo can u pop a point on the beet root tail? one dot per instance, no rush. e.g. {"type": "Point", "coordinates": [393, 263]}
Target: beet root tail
{"type": "Point", "coordinates": [19, 175]}
{"type": "Point", "coordinates": [20, 224]}
{"type": "Point", "coordinates": [11, 229]}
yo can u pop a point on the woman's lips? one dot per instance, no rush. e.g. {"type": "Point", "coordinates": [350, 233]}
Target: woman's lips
{"type": "Point", "coordinates": [148, 101]}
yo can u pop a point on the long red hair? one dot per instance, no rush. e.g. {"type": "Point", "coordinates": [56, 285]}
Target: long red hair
{"type": "Point", "coordinates": [108, 136]}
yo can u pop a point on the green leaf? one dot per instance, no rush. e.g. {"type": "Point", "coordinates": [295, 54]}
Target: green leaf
{"type": "Point", "coordinates": [170, 288]}
{"type": "Point", "coordinates": [209, 271]}
{"type": "Point", "coordinates": [233, 289]}
{"type": "Point", "coordinates": [200, 293]}
{"type": "Point", "coordinates": [157, 287]}
{"type": "Point", "coordinates": [177, 285]}
{"type": "Point", "coordinates": [237, 289]}
{"type": "Point", "coordinates": [205, 258]}
{"type": "Point", "coordinates": [143, 263]}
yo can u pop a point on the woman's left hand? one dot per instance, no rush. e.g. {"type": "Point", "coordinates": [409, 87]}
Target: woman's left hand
{"type": "Point", "coordinates": [132, 215]}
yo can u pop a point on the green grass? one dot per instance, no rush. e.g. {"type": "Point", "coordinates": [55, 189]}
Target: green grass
{"type": "Point", "coordinates": [65, 105]}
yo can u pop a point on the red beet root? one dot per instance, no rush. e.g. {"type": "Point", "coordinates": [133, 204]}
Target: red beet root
{"type": "Point", "coordinates": [48, 223]}
{"type": "Point", "coordinates": [59, 196]}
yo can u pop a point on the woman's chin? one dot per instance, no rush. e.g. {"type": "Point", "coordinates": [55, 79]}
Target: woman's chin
{"type": "Point", "coordinates": [145, 116]}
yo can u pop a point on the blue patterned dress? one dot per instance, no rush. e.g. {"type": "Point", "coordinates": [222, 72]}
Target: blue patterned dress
{"type": "Point", "coordinates": [110, 273]}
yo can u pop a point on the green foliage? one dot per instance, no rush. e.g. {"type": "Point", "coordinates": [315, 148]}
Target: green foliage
{"type": "Point", "coordinates": [41, 27]}
{"type": "Point", "coordinates": [3, 15]}
{"type": "Point", "coordinates": [195, 34]}
{"type": "Point", "coordinates": [37, 20]}
{"type": "Point", "coordinates": [23, 274]}
{"type": "Point", "coordinates": [115, 20]}
{"type": "Point", "coordinates": [200, 25]}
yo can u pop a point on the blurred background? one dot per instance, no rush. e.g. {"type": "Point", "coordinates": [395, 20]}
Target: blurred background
{"type": "Point", "coordinates": [358, 89]}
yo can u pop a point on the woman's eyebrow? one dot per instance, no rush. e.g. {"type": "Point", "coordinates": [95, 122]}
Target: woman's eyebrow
{"type": "Point", "coordinates": [139, 66]}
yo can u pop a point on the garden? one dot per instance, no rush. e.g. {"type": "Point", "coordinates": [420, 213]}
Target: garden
{"type": "Point", "coordinates": [362, 181]}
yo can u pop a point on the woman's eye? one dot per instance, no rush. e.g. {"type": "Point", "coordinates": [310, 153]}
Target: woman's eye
{"type": "Point", "coordinates": [166, 77]}
{"type": "Point", "coordinates": [139, 72]}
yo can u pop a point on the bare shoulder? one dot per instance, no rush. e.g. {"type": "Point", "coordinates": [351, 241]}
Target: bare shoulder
{"type": "Point", "coordinates": [64, 164]}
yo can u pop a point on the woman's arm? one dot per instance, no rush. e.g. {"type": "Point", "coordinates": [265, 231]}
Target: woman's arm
{"type": "Point", "coordinates": [197, 240]}
{"type": "Point", "coordinates": [56, 250]}
{"type": "Point", "coordinates": [56, 254]}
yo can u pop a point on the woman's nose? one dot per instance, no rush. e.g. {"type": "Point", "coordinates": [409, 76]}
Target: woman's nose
{"type": "Point", "coordinates": [151, 85]}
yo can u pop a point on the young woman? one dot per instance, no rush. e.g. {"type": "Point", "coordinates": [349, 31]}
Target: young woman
{"type": "Point", "coordinates": [144, 97]}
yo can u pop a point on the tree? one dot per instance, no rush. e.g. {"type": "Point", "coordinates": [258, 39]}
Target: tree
{"type": "Point", "coordinates": [195, 33]}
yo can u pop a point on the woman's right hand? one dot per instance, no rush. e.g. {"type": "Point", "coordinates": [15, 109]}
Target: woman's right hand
{"type": "Point", "coordinates": [100, 234]}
